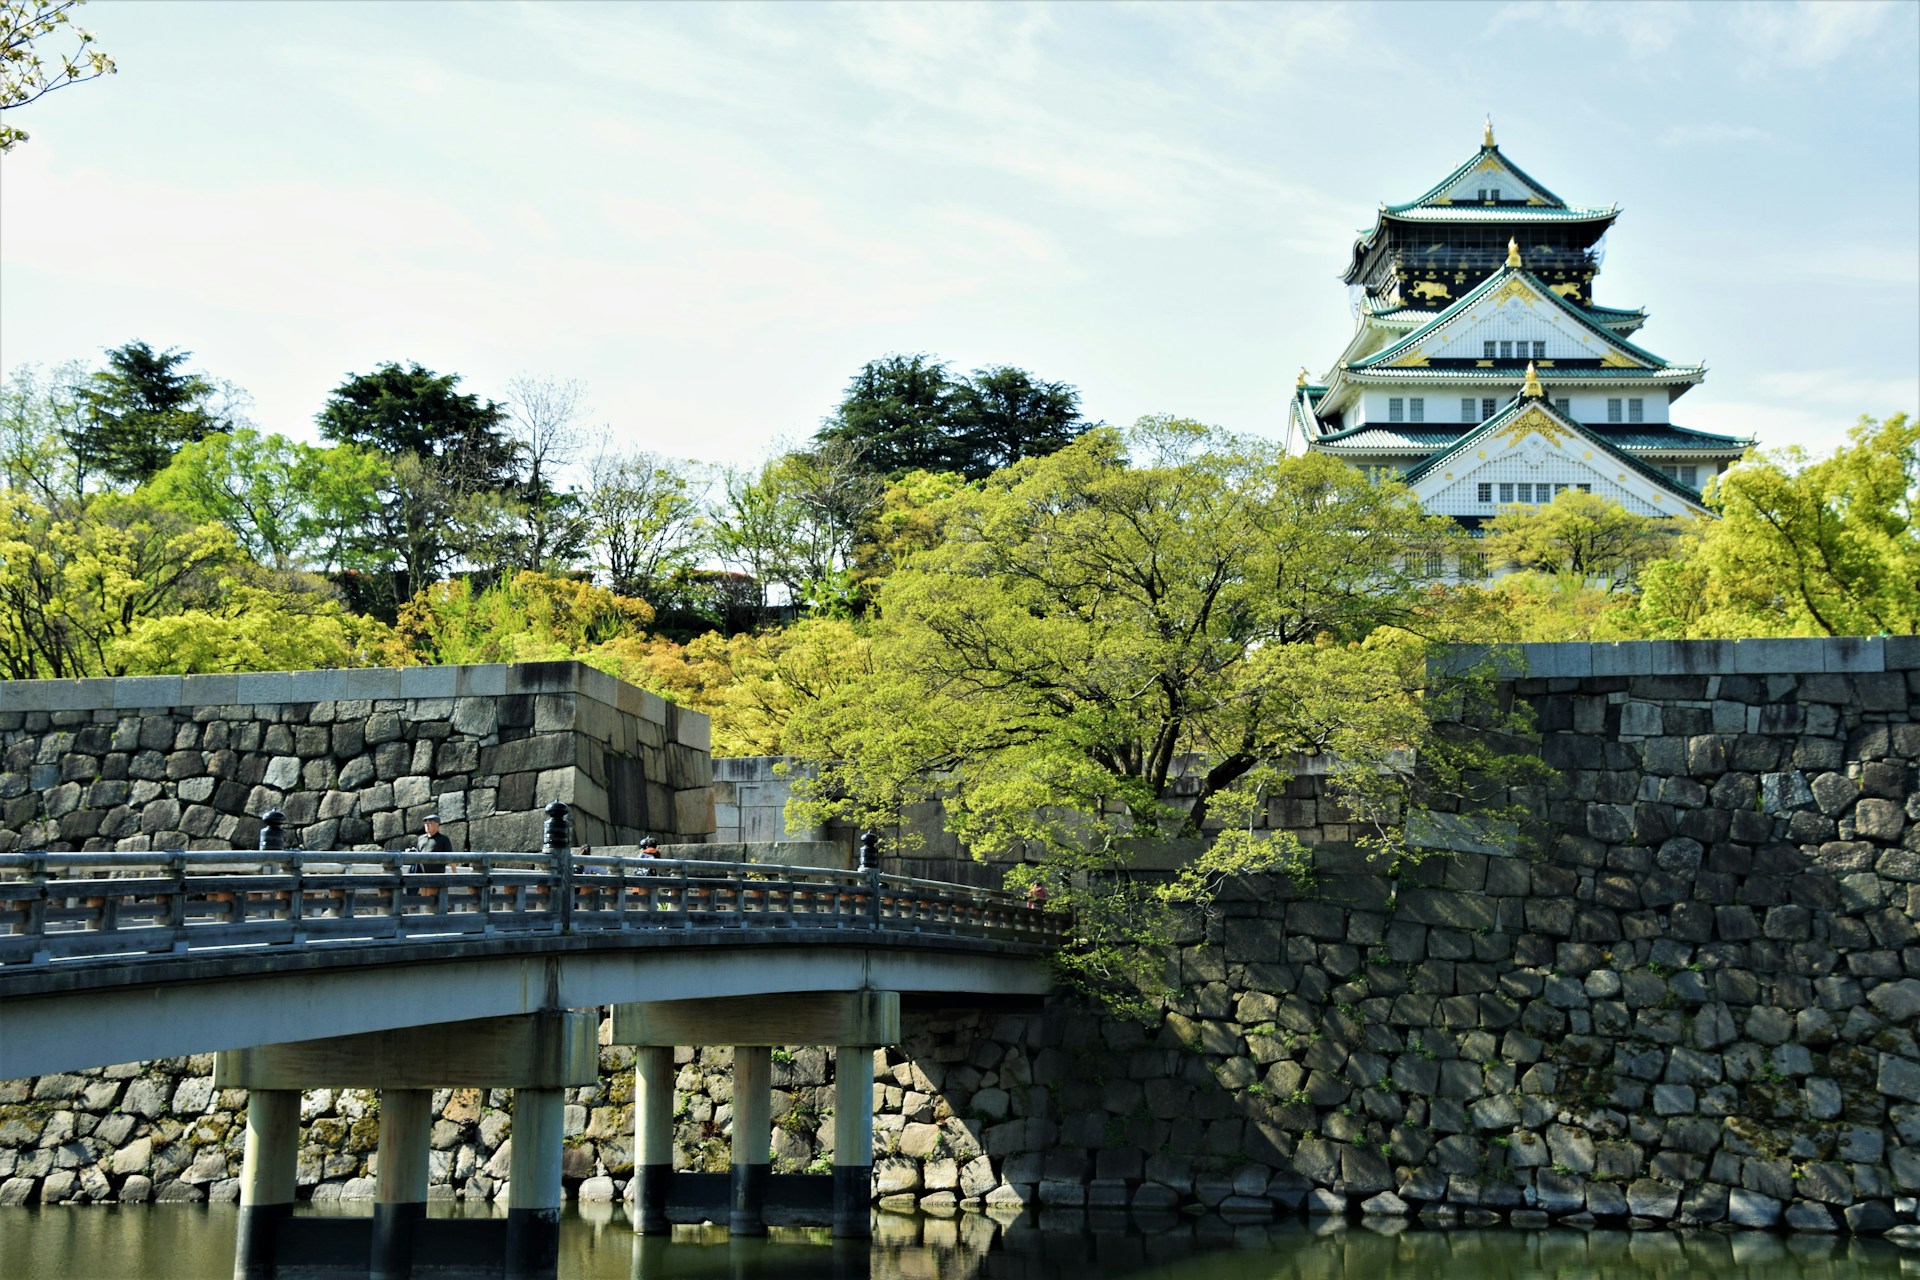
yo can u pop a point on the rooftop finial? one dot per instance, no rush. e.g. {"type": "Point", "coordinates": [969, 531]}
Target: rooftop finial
{"type": "Point", "coordinates": [1513, 253]}
{"type": "Point", "coordinates": [1486, 139]}
{"type": "Point", "coordinates": [1302, 380]}
{"type": "Point", "coordinates": [1532, 391]}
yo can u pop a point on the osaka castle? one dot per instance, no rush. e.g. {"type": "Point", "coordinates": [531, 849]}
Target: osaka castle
{"type": "Point", "coordinates": [1482, 372]}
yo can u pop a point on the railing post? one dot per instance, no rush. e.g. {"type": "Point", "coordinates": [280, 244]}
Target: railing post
{"type": "Point", "coordinates": [37, 907]}
{"type": "Point", "coordinates": [177, 900]}
{"type": "Point", "coordinates": [560, 849]}
{"type": "Point", "coordinates": [870, 863]}
{"type": "Point", "coordinates": [273, 837]}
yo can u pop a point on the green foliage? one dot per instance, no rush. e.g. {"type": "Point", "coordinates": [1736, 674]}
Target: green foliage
{"type": "Point", "coordinates": [25, 75]}
{"type": "Point", "coordinates": [251, 628]}
{"type": "Point", "coordinates": [643, 521]}
{"type": "Point", "coordinates": [287, 504]}
{"type": "Point", "coordinates": [1580, 535]}
{"type": "Point", "coordinates": [1127, 641]}
{"type": "Point", "coordinates": [140, 410]}
{"type": "Point", "coordinates": [530, 617]}
{"type": "Point", "coordinates": [40, 414]}
{"type": "Point", "coordinates": [77, 577]}
{"type": "Point", "coordinates": [906, 413]}
{"type": "Point", "coordinates": [1802, 547]}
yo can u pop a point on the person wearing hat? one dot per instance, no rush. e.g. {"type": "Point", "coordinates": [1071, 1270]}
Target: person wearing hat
{"type": "Point", "coordinates": [434, 841]}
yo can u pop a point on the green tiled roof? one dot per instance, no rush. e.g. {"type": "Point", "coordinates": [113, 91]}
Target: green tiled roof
{"type": "Point", "coordinates": [1400, 436]}
{"type": "Point", "coordinates": [1655, 439]}
{"type": "Point", "coordinates": [1512, 410]}
{"type": "Point", "coordinates": [1486, 286]}
{"type": "Point", "coordinates": [1495, 213]}
{"type": "Point", "coordinates": [1470, 162]}
{"type": "Point", "coordinates": [1552, 377]}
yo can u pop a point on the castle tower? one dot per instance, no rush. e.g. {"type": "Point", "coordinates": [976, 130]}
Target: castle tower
{"type": "Point", "coordinates": [1460, 297]}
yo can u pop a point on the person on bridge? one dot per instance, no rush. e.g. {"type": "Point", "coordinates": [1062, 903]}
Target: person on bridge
{"type": "Point", "coordinates": [434, 841]}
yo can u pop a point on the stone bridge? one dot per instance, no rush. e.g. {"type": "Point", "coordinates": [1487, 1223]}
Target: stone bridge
{"type": "Point", "coordinates": [366, 969]}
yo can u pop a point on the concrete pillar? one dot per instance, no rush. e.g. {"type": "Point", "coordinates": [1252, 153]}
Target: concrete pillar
{"type": "Point", "coordinates": [652, 1138]}
{"type": "Point", "coordinates": [752, 1137]}
{"type": "Point", "coordinates": [852, 1141]}
{"type": "Point", "coordinates": [533, 1189]}
{"type": "Point", "coordinates": [400, 1199]}
{"type": "Point", "coordinates": [266, 1178]}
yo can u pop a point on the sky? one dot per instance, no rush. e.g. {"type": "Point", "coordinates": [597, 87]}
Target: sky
{"type": "Point", "coordinates": [712, 215]}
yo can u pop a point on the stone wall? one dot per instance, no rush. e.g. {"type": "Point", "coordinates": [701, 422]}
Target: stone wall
{"type": "Point", "coordinates": [1694, 999]}
{"type": "Point", "coordinates": [354, 758]}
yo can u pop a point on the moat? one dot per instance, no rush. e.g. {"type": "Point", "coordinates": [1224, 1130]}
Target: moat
{"type": "Point", "coordinates": [195, 1242]}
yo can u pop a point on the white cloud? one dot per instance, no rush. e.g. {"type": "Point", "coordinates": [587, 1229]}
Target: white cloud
{"type": "Point", "coordinates": [1811, 34]}
{"type": "Point", "coordinates": [1645, 28]}
{"type": "Point", "coordinates": [1708, 133]}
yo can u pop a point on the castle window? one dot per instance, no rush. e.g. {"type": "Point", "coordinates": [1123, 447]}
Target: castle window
{"type": "Point", "coordinates": [1489, 348]}
{"type": "Point", "coordinates": [1436, 564]}
{"type": "Point", "coordinates": [1690, 477]}
{"type": "Point", "coordinates": [1396, 410]}
{"type": "Point", "coordinates": [1483, 493]}
{"type": "Point", "coordinates": [1565, 407]}
{"type": "Point", "coordinates": [1496, 193]}
{"type": "Point", "coordinates": [1613, 411]}
{"type": "Point", "coordinates": [1506, 493]}
{"type": "Point", "coordinates": [1526, 492]}
{"type": "Point", "coordinates": [1506, 351]}
{"type": "Point", "coordinates": [1466, 409]}
{"type": "Point", "coordinates": [1417, 409]}
{"type": "Point", "coordinates": [1559, 489]}
{"type": "Point", "coordinates": [1539, 351]}
{"type": "Point", "coordinates": [1486, 409]}
{"type": "Point", "coordinates": [1636, 411]}
{"type": "Point", "coordinates": [1483, 193]}
{"type": "Point", "coordinates": [1584, 488]}
{"type": "Point", "coordinates": [1473, 565]}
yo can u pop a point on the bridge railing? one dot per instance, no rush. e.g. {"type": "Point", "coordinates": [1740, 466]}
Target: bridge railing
{"type": "Point", "coordinates": [72, 906]}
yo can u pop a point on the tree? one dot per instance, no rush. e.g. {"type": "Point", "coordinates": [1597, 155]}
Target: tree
{"type": "Point", "coordinates": [1003, 414]}
{"type": "Point", "coordinates": [897, 410]}
{"type": "Point", "coordinates": [287, 504]}
{"type": "Point", "coordinates": [1127, 641]}
{"type": "Point", "coordinates": [25, 76]}
{"type": "Point", "coordinates": [40, 417]}
{"type": "Point", "coordinates": [907, 413]}
{"type": "Point", "coordinates": [141, 409]}
{"type": "Point", "coordinates": [1802, 546]}
{"type": "Point", "coordinates": [76, 577]}
{"type": "Point", "coordinates": [251, 628]}
{"type": "Point", "coordinates": [544, 416]}
{"type": "Point", "coordinates": [643, 521]}
{"type": "Point", "coordinates": [452, 468]}
{"type": "Point", "coordinates": [907, 519]}
{"type": "Point", "coordinates": [1580, 535]}
{"type": "Point", "coordinates": [1092, 627]}
{"type": "Point", "coordinates": [530, 617]}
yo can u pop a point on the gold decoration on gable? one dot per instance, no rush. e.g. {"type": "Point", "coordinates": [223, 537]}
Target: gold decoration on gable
{"type": "Point", "coordinates": [1515, 287]}
{"type": "Point", "coordinates": [1615, 360]}
{"type": "Point", "coordinates": [1414, 359]}
{"type": "Point", "coordinates": [1566, 290]}
{"type": "Point", "coordinates": [1430, 289]}
{"type": "Point", "coordinates": [1533, 422]}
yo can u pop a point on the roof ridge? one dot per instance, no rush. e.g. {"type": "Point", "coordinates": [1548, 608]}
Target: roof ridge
{"type": "Point", "coordinates": [1487, 151]}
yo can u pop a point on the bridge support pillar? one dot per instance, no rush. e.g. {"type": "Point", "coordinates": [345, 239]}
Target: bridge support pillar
{"type": "Point", "coordinates": [533, 1188]}
{"type": "Point", "coordinates": [852, 1141]}
{"type": "Point", "coordinates": [653, 1138]}
{"type": "Point", "coordinates": [400, 1199]}
{"type": "Point", "coordinates": [752, 1137]}
{"type": "Point", "coordinates": [266, 1178]}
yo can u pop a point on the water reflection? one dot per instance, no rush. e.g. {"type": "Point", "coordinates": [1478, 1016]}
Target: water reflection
{"type": "Point", "coordinates": [195, 1242]}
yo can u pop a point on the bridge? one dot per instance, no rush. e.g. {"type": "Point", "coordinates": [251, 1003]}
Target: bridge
{"type": "Point", "coordinates": [306, 969]}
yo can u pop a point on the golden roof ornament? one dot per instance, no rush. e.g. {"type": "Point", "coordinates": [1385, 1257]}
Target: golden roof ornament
{"type": "Point", "coordinates": [1302, 380]}
{"type": "Point", "coordinates": [1486, 139]}
{"type": "Point", "coordinates": [1532, 391]}
{"type": "Point", "coordinates": [1513, 253]}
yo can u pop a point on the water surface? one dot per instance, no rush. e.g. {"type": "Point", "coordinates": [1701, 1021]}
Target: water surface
{"type": "Point", "coordinates": [195, 1242]}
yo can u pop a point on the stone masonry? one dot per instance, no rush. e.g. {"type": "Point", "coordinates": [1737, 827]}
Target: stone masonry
{"type": "Point", "coordinates": [354, 758]}
{"type": "Point", "coordinates": [1691, 999]}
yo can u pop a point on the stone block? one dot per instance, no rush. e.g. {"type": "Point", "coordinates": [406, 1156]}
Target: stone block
{"type": "Point", "coordinates": [429, 682]}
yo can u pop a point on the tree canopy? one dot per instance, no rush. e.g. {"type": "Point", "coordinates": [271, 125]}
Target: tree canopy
{"type": "Point", "coordinates": [1578, 534]}
{"type": "Point", "coordinates": [140, 410]}
{"type": "Point", "coordinates": [907, 412]}
{"type": "Point", "coordinates": [26, 74]}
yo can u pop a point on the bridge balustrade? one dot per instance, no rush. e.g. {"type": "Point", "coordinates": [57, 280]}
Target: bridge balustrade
{"type": "Point", "coordinates": [65, 907]}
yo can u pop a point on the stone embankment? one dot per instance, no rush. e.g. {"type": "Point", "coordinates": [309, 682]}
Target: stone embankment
{"type": "Point", "coordinates": [355, 759]}
{"type": "Point", "coordinates": [1693, 999]}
